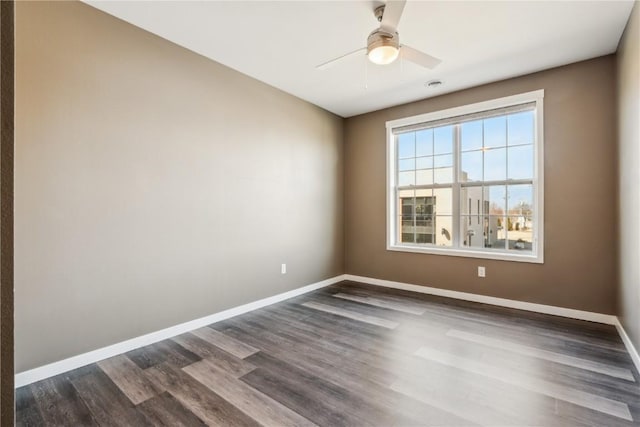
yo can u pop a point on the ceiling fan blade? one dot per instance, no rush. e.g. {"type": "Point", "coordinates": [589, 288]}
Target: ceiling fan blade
{"type": "Point", "coordinates": [392, 14]}
{"type": "Point", "coordinates": [420, 58]}
{"type": "Point", "coordinates": [329, 63]}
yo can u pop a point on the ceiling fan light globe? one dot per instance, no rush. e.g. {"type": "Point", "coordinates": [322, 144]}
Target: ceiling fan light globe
{"type": "Point", "coordinates": [383, 55]}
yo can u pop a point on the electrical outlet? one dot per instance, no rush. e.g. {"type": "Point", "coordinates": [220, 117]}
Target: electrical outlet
{"type": "Point", "coordinates": [283, 269]}
{"type": "Point", "coordinates": [481, 272]}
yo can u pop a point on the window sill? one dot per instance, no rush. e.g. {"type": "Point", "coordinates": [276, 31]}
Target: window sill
{"type": "Point", "coordinates": [501, 256]}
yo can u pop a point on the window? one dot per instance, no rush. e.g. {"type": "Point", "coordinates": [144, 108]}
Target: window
{"type": "Point", "coordinates": [468, 181]}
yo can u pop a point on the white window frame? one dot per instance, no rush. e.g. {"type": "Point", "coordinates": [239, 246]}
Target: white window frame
{"type": "Point", "coordinates": [537, 253]}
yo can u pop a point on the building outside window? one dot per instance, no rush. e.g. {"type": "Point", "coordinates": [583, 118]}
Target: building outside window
{"type": "Point", "coordinates": [469, 181]}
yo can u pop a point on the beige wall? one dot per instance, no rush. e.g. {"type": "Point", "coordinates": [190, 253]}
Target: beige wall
{"type": "Point", "coordinates": [154, 186]}
{"type": "Point", "coordinates": [629, 175]}
{"type": "Point", "coordinates": [580, 196]}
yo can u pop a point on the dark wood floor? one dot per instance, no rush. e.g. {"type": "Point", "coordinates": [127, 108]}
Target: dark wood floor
{"type": "Point", "coordinates": [357, 355]}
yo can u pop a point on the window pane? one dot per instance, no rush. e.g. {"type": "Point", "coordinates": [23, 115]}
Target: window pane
{"type": "Point", "coordinates": [520, 220]}
{"type": "Point", "coordinates": [520, 162]}
{"type": "Point", "coordinates": [471, 135]}
{"type": "Point", "coordinates": [424, 219]}
{"type": "Point", "coordinates": [486, 233]}
{"type": "Point", "coordinates": [520, 236]}
{"type": "Point", "coordinates": [406, 145]}
{"type": "Point", "coordinates": [424, 192]}
{"type": "Point", "coordinates": [520, 197]}
{"type": "Point", "coordinates": [520, 127]}
{"type": "Point", "coordinates": [443, 161]}
{"type": "Point", "coordinates": [443, 201]}
{"type": "Point", "coordinates": [443, 230]}
{"type": "Point", "coordinates": [407, 208]}
{"type": "Point", "coordinates": [403, 194]}
{"type": "Point", "coordinates": [495, 164]}
{"type": "Point", "coordinates": [443, 175]}
{"type": "Point", "coordinates": [520, 233]}
{"type": "Point", "coordinates": [406, 218]}
{"type": "Point", "coordinates": [424, 142]}
{"type": "Point", "coordinates": [470, 201]}
{"type": "Point", "coordinates": [471, 232]}
{"type": "Point", "coordinates": [495, 198]}
{"type": "Point", "coordinates": [407, 237]}
{"type": "Point", "coordinates": [471, 166]}
{"type": "Point", "coordinates": [495, 132]}
{"type": "Point", "coordinates": [443, 140]}
{"type": "Point", "coordinates": [495, 232]}
{"type": "Point", "coordinates": [424, 162]}
{"type": "Point", "coordinates": [443, 172]}
{"type": "Point", "coordinates": [406, 178]}
{"type": "Point", "coordinates": [406, 164]}
{"type": "Point", "coordinates": [424, 238]}
{"type": "Point", "coordinates": [424, 177]}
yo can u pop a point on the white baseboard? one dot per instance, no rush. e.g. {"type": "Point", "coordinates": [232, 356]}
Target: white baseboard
{"type": "Point", "coordinates": [627, 343]}
{"type": "Point", "coordinates": [520, 305]}
{"type": "Point", "coordinates": [46, 371]}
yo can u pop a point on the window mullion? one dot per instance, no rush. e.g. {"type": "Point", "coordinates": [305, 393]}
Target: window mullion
{"type": "Point", "coordinates": [455, 220]}
{"type": "Point", "coordinates": [506, 168]}
{"type": "Point", "coordinates": [424, 187]}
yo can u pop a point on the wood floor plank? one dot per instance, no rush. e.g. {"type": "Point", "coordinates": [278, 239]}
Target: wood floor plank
{"type": "Point", "coordinates": [255, 404]}
{"type": "Point", "coordinates": [352, 315]}
{"type": "Point", "coordinates": [360, 308]}
{"type": "Point", "coordinates": [59, 403]}
{"type": "Point", "coordinates": [108, 405]}
{"type": "Point", "coordinates": [379, 302]}
{"type": "Point", "coordinates": [589, 365]}
{"type": "Point", "coordinates": [164, 351]}
{"type": "Point", "coordinates": [27, 413]}
{"type": "Point", "coordinates": [129, 378]}
{"type": "Point", "coordinates": [206, 405]}
{"type": "Point", "coordinates": [225, 361]}
{"type": "Point", "coordinates": [166, 410]}
{"type": "Point", "coordinates": [578, 397]}
{"type": "Point", "coordinates": [225, 342]}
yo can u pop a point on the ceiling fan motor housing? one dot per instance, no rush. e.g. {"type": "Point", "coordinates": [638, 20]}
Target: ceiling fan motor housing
{"type": "Point", "coordinates": [379, 37]}
{"type": "Point", "coordinates": [383, 46]}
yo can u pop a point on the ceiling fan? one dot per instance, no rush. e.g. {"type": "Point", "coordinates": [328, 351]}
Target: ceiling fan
{"type": "Point", "coordinates": [383, 44]}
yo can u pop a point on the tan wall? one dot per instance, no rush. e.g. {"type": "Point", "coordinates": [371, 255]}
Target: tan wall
{"type": "Point", "coordinates": [154, 186]}
{"type": "Point", "coordinates": [629, 175]}
{"type": "Point", "coordinates": [580, 202]}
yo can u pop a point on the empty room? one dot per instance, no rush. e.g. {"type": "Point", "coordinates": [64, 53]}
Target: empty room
{"type": "Point", "coordinates": [320, 213]}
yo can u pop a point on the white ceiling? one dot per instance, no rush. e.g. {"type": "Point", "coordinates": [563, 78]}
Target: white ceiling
{"type": "Point", "coordinates": [281, 42]}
